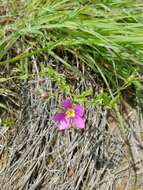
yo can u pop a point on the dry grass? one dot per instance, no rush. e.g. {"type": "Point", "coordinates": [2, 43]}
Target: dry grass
{"type": "Point", "coordinates": [43, 158]}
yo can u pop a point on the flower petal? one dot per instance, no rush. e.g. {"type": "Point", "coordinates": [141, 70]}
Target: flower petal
{"type": "Point", "coordinates": [66, 104]}
{"type": "Point", "coordinates": [44, 94]}
{"type": "Point", "coordinates": [59, 117]}
{"type": "Point", "coordinates": [79, 110]}
{"type": "Point", "coordinates": [79, 122]}
{"type": "Point", "coordinates": [64, 124]}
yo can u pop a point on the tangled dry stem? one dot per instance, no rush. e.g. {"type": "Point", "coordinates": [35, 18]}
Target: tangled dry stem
{"type": "Point", "coordinates": [43, 158]}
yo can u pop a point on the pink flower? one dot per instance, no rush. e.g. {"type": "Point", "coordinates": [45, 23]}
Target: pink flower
{"type": "Point", "coordinates": [72, 115]}
{"type": "Point", "coordinates": [44, 94]}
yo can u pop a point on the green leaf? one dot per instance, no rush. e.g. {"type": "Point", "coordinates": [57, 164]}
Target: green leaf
{"type": "Point", "coordinates": [3, 106]}
{"type": "Point", "coordinates": [3, 80]}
